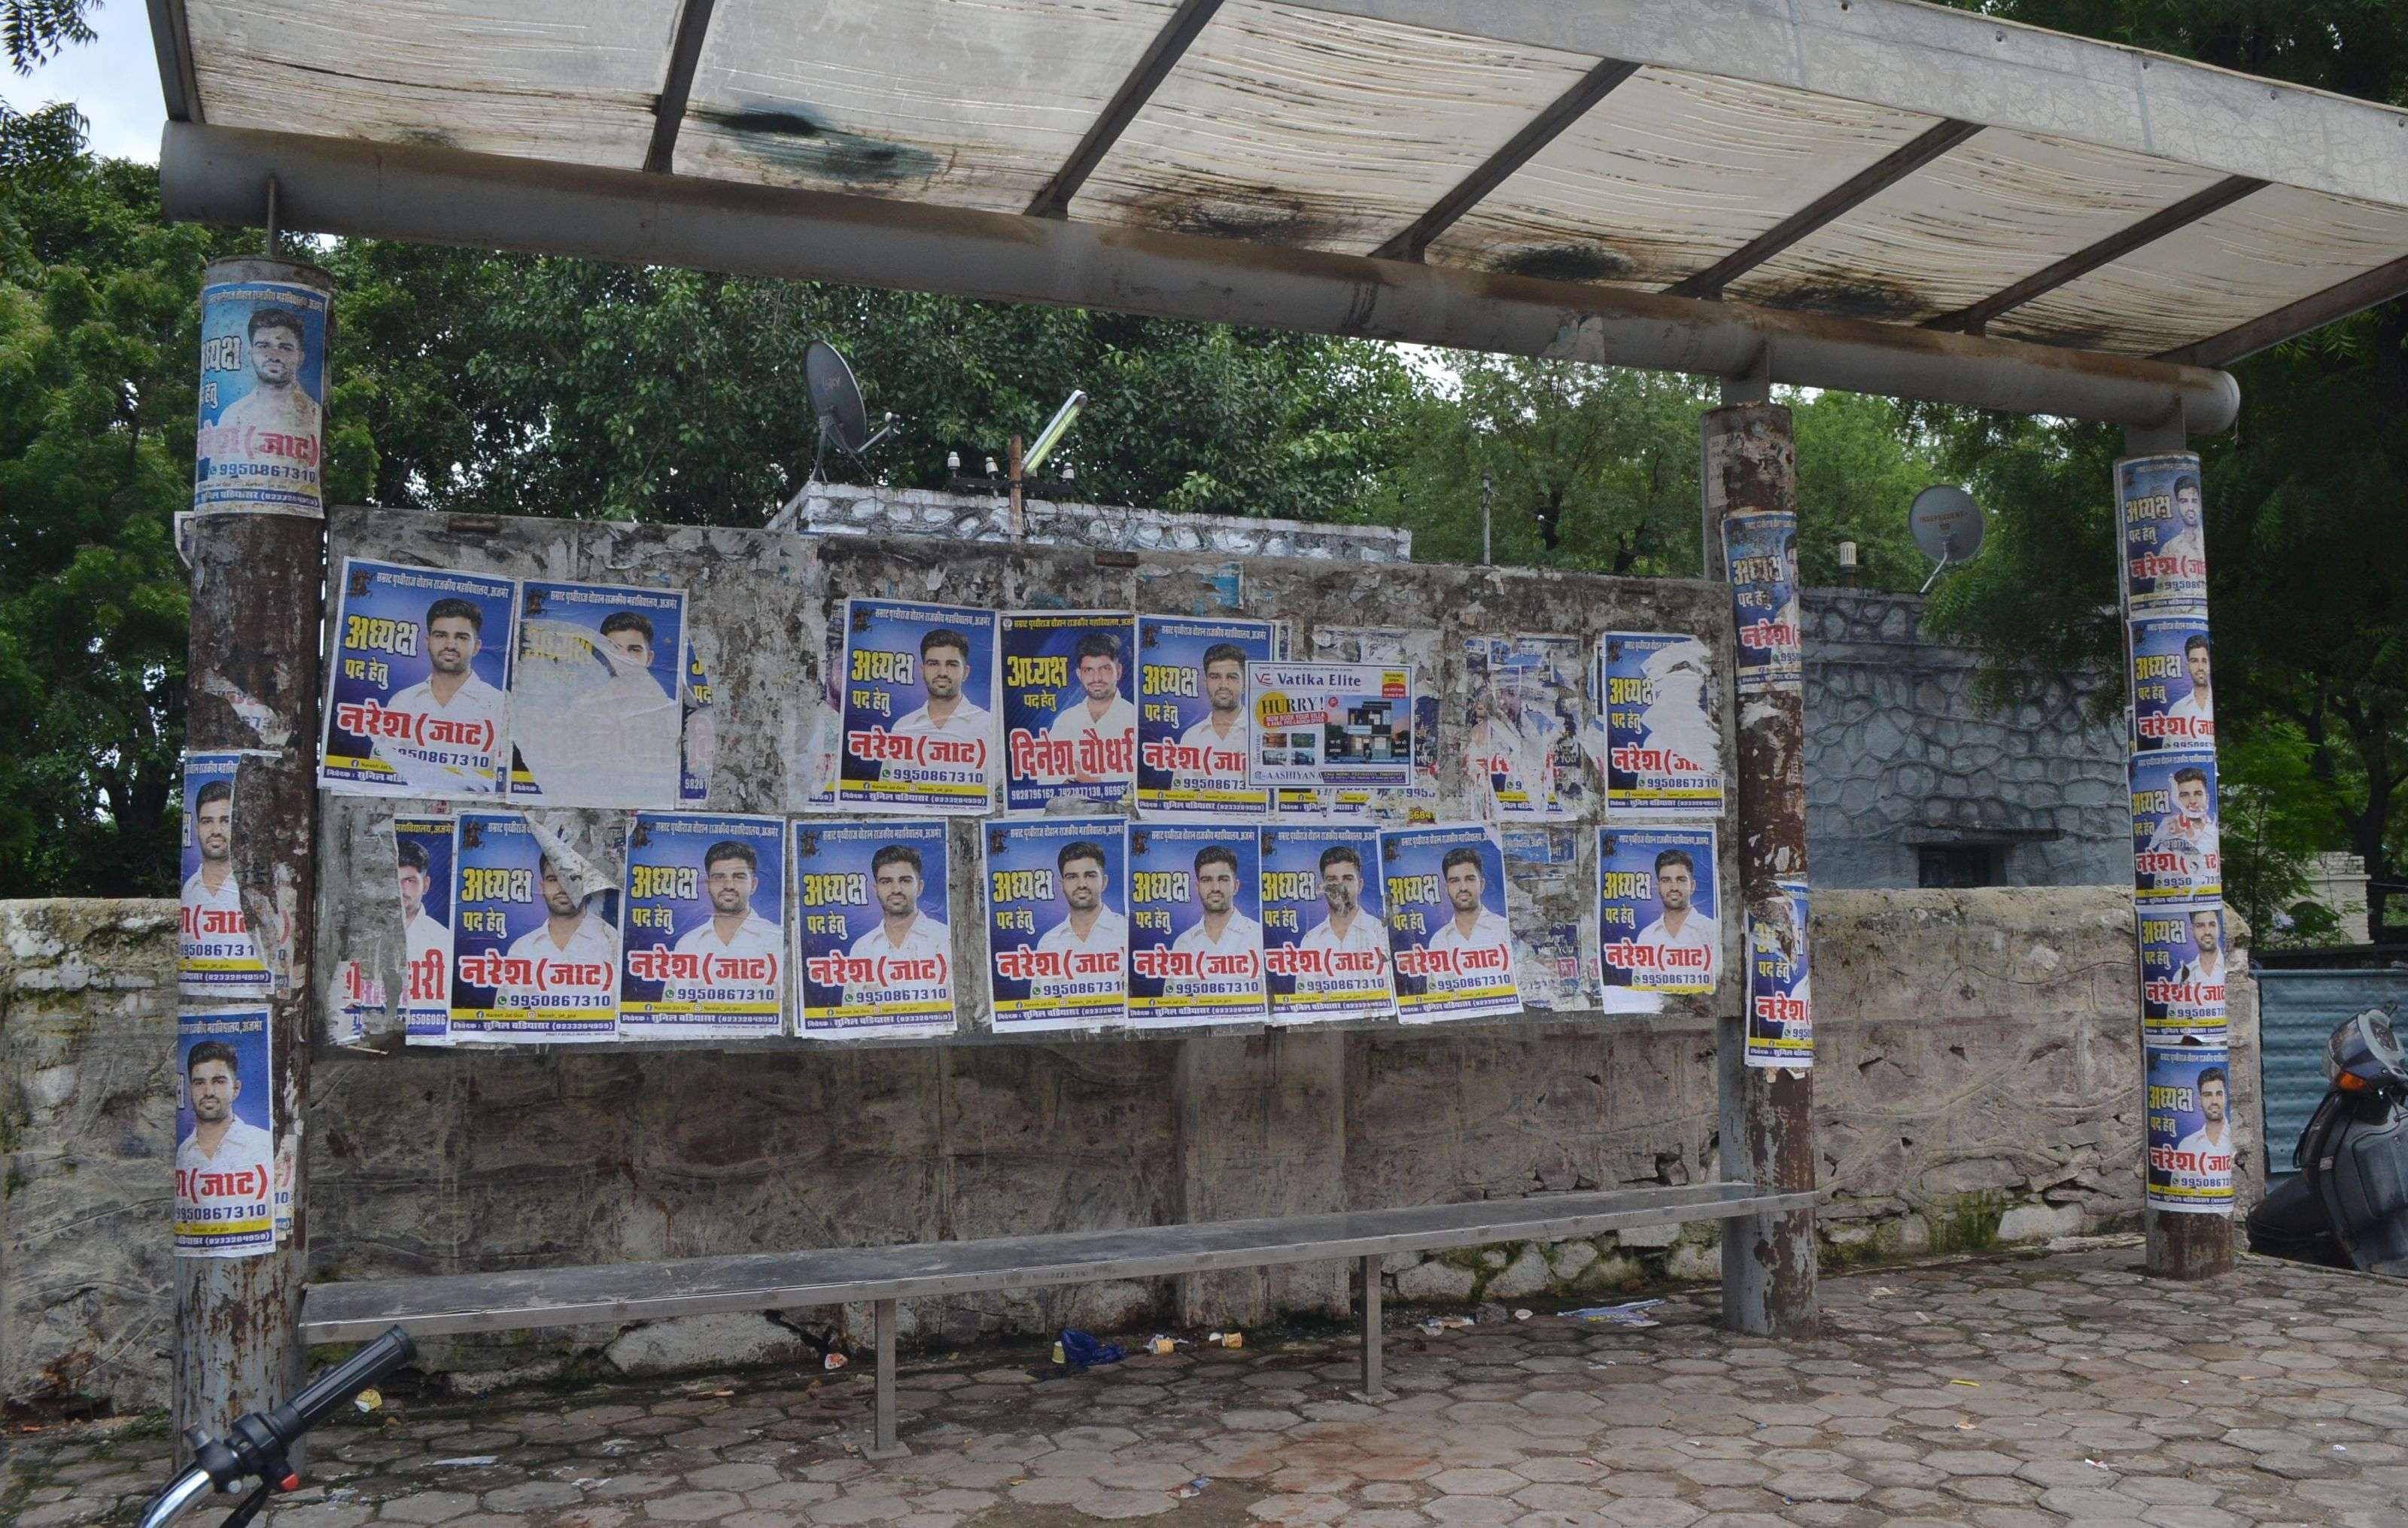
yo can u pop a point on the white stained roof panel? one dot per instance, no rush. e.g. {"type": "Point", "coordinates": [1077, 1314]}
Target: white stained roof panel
{"type": "Point", "coordinates": [967, 103]}
{"type": "Point", "coordinates": [1298, 127]}
{"type": "Point", "coordinates": [1667, 174]}
{"type": "Point", "coordinates": [2267, 250]}
{"type": "Point", "coordinates": [556, 80]}
{"type": "Point", "coordinates": [1998, 208]}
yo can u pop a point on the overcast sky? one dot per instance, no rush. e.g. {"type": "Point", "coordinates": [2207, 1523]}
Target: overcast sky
{"type": "Point", "coordinates": [114, 81]}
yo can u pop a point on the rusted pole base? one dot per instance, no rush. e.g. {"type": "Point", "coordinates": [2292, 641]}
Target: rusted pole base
{"type": "Point", "coordinates": [2188, 1247]}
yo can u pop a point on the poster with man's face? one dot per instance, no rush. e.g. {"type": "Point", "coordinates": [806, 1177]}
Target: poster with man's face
{"type": "Point", "coordinates": [2183, 972]}
{"type": "Point", "coordinates": [414, 701]}
{"type": "Point", "coordinates": [2191, 1129]}
{"type": "Point", "coordinates": [1448, 931]}
{"type": "Point", "coordinates": [2177, 849]}
{"type": "Point", "coordinates": [1195, 932]}
{"type": "Point", "coordinates": [1780, 992]}
{"type": "Point", "coordinates": [263, 397]}
{"type": "Point", "coordinates": [703, 939]}
{"type": "Point", "coordinates": [916, 693]}
{"type": "Point", "coordinates": [225, 1149]}
{"type": "Point", "coordinates": [423, 848]}
{"type": "Point", "coordinates": [1324, 924]}
{"type": "Point", "coordinates": [1069, 710]}
{"type": "Point", "coordinates": [596, 688]}
{"type": "Point", "coordinates": [1656, 739]}
{"type": "Point", "coordinates": [1193, 733]}
{"type": "Point", "coordinates": [1656, 909]}
{"type": "Point", "coordinates": [1760, 560]}
{"type": "Point", "coordinates": [876, 948]}
{"type": "Point", "coordinates": [2174, 685]}
{"type": "Point", "coordinates": [533, 962]}
{"type": "Point", "coordinates": [2165, 535]}
{"type": "Point", "coordinates": [215, 953]}
{"type": "Point", "coordinates": [1057, 930]}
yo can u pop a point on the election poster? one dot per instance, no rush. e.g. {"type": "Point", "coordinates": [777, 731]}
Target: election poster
{"type": "Point", "coordinates": [1193, 738]}
{"type": "Point", "coordinates": [1329, 726]}
{"type": "Point", "coordinates": [263, 395]}
{"type": "Point", "coordinates": [1070, 712]}
{"type": "Point", "coordinates": [1195, 932]}
{"type": "Point", "coordinates": [1527, 710]}
{"type": "Point", "coordinates": [2165, 535]}
{"type": "Point", "coordinates": [423, 846]}
{"type": "Point", "coordinates": [215, 953]}
{"type": "Point", "coordinates": [414, 702]}
{"type": "Point", "coordinates": [597, 686]}
{"type": "Point", "coordinates": [1543, 878]}
{"type": "Point", "coordinates": [2182, 972]}
{"type": "Point", "coordinates": [2191, 1129]}
{"type": "Point", "coordinates": [225, 1146]}
{"type": "Point", "coordinates": [1657, 928]}
{"type": "Point", "coordinates": [1779, 1003]}
{"type": "Point", "coordinates": [356, 994]}
{"type": "Point", "coordinates": [918, 704]}
{"type": "Point", "coordinates": [1448, 933]}
{"type": "Point", "coordinates": [1324, 924]}
{"type": "Point", "coordinates": [2173, 683]}
{"type": "Point", "coordinates": [698, 734]}
{"type": "Point", "coordinates": [2177, 849]}
{"type": "Point", "coordinates": [877, 954]}
{"type": "Point", "coordinates": [1654, 739]}
{"type": "Point", "coordinates": [532, 962]}
{"type": "Point", "coordinates": [1057, 930]}
{"type": "Point", "coordinates": [1760, 555]}
{"type": "Point", "coordinates": [703, 928]}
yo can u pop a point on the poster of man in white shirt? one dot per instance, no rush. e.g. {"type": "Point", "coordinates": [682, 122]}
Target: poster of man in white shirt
{"type": "Point", "coordinates": [1325, 929]}
{"type": "Point", "coordinates": [1056, 946]}
{"type": "Point", "coordinates": [1448, 931]}
{"type": "Point", "coordinates": [414, 701]}
{"type": "Point", "coordinates": [262, 435]}
{"type": "Point", "coordinates": [534, 961]}
{"type": "Point", "coordinates": [1194, 729]}
{"type": "Point", "coordinates": [1069, 713]}
{"type": "Point", "coordinates": [1196, 943]}
{"type": "Point", "coordinates": [1656, 929]}
{"type": "Point", "coordinates": [2173, 683]}
{"type": "Point", "coordinates": [423, 846]}
{"type": "Point", "coordinates": [225, 1152]}
{"type": "Point", "coordinates": [877, 953]}
{"type": "Point", "coordinates": [2191, 1129]}
{"type": "Point", "coordinates": [215, 953]}
{"type": "Point", "coordinates": [705, 938]}
{"type": "Point", "coordinates": [2177, 846]}
{"type": "Point", "coordinates": [917, 688]}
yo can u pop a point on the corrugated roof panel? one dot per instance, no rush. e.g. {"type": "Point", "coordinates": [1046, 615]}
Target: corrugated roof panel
{"type": "Point", "coordinates": [2266, 251]}
{"type": "Point", "coordinates": [2297, 1013]}
{"type": "Point", "coordinates": [1298, 127]}
{"type": "Point", "coordinates": [556, 80]}
{"type": "Point", "coordinates": [965, 103]}
{"type": "Point", "coordinates": [1994, 210]}
{"type": "Point", "coordinates": [1667, 174]}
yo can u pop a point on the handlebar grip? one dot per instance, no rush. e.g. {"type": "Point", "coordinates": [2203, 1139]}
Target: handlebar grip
{"type": "Point", "coordinates": [334, 1389]}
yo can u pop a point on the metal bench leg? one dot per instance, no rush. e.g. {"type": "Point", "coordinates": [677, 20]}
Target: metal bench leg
{"type": "Point", "coordinates": [884, 1445]}
{"type": "Point", "coordinates": [1373, 1390]}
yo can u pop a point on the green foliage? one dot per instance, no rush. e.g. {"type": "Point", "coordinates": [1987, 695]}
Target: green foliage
{"type": "Point", "coordinates": [1860, 467]}
{"type": "Point", "coordinates": [33, 31]}
{"type": "Point", "coordinates": [2277, 817]}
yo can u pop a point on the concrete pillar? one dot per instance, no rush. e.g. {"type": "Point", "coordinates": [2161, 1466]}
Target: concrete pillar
{"type": "Point", "coordinates": [1262, 1132]}
{"type": "Point", "coordinates": [253, 669]}
{"type": "Point", "coordinates": [2189, 1228]}
{"type": "Point", "coordinates": [1766, 1127]}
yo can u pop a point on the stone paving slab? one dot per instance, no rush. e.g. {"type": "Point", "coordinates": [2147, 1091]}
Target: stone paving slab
{"type": "Point", "coordinates": [2016, 1392]}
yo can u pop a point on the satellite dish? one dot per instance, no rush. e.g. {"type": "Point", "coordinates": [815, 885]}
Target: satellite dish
{"type": "Point", "coordinates": [1947, 525]}
{"type": "Point", "coordinates": [835, 397]}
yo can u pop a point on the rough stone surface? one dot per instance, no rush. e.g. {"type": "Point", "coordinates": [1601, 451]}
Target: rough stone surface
{"type": "Point", "coordinates": [847, 510]}
{"type": "Point", "coordinates": [1900, 755]}
{"type": "Point", "coordinates": [2008, 1393]}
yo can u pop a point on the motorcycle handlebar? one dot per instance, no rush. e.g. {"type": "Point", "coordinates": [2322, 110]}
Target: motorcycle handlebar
{"type": "Point", "coordinates": [334, 1389]}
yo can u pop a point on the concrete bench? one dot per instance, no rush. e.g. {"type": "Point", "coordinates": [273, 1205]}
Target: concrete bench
{"type": "Point", "coordinates": [639, 1291]}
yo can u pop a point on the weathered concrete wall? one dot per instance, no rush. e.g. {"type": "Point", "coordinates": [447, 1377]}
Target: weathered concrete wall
{"type": "Point", "coordinates": [1899, 754]}
{"type": "Point", "coordinates": [835, 509]}
{"type": "Point", "coordinates": [1979, 1082]}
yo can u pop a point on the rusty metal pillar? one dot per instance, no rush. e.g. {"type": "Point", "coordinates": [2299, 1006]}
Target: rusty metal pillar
{"type": "Point", "coordinates": [1765, 1055]}
{"type": "Point", "coordinates": [258, 567]}
{"type": "Point", "coordinates": [2187, 1201]}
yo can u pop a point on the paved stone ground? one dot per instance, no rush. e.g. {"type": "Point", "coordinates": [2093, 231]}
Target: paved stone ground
{"type": "Point", "coordinates": [2019, 1392]}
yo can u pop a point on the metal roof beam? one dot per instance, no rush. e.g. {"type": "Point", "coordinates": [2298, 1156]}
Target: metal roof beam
{"type": "Point", "coordinates": [171, 35]}
{"type": "Point", "coordinates": [2264, 332]}
{"type": "Point", "coordinates": [1162, 55]}
{"type": "Point", "coordinates": [1519, 149]}
{"type": "Point", "coordinates": [355, 188]}
{"type": "Point", "coordinates": [685, 56]}
{"type": "Point", "coordinates": [1834, 204]}
{"type": "Point", "coordinates": [2081, 263]}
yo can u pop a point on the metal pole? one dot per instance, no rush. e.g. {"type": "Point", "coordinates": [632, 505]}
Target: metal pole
{"type": "Point", "coordinates": [1487, 498]}
{"type": "Point", "coordinates": [885, 1447]}
{"type": "Point", "coordinates": [2189, 1234]}
{"type": "Point", "coordinates": [1017, 528]}
{"type": "Point", "coordinates": [1767, 1112]}
{"type": "Point", "coordinates": [1374, 1383]}
{"type": "Point", "coordinates": [253, 686]}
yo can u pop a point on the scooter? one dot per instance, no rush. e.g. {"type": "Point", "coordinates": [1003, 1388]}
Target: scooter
{"type": "Point", "coordinates": [257, 1446]}
{"type": "Point", "coordinates": [2347, 1208]}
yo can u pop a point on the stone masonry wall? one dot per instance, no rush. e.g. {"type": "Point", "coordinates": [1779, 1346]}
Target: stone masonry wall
{"type": "Point", "coordinates": [1900, 755]}
{"type": "Point", "coordinates": [1978, 1082]}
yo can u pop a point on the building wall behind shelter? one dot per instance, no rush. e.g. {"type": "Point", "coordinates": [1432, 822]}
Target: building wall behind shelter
{"type": "Point", "coordinates": [1978, 1081]}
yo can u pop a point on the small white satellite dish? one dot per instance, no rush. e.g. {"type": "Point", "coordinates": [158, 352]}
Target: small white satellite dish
{"type": "Point", "coordinates": [1947, 525]}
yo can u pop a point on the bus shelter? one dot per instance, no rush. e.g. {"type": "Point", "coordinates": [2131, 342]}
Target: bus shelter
{"type": "Point", "coordinates": [1876, 196]}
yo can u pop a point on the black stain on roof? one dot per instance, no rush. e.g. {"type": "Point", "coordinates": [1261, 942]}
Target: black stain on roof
{"type": "Point", "coordinates": [1565, 262]}
{"type": "Point", "coordinates": [1843, 297]}
{"type": "Point", "coordinates": [793, 139]}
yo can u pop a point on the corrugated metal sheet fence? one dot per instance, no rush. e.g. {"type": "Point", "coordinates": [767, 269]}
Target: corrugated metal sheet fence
{"type": "Point", "coordinates": [2296, 1011]}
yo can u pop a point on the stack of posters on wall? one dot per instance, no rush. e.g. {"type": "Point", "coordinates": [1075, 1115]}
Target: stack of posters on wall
{"type": "Point", "coordinates": [2177, 851]}
{"type": "Point", "coordinates": [1760, 563]}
